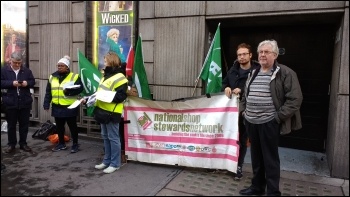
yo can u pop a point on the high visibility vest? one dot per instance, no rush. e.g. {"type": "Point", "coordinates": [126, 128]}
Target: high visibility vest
{"type": "Point", "coordinates": [109, 85]}
{"type": "Point", "coordinates": [58, 96]}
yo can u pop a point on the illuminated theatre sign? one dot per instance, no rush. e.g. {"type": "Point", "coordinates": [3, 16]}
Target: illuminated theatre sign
{"type": "Point", "coordinates": [112, 29]}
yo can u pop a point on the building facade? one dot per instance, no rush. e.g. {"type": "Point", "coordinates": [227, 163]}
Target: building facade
{"type": "Point", "coordinates": [312, 36]}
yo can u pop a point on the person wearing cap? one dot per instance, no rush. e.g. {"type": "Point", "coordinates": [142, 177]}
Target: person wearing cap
{"type": "Point", "coordinates": [16, 82]}
{"type": "Point", "coordinates": [63, 88]}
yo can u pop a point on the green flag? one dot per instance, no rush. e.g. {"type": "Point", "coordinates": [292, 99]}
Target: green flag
{"type": "Point", "coordinates": [90, 77]}
{"type": "Point", "coordinates": [139, 75]}
{"type": "Point", "coordinates": [211, 70]}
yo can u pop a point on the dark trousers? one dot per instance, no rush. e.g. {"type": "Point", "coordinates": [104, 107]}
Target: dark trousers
{"type": "Point", "coordinates": [243, 137]}
{"type": "Point", "coordinates": [121, 134]}
{"type": "Point", "coordinates": [264, 139]}
{"type": "Point", "coordinates": [72, 124]}
{"type": "Point", "coordinates": [22, 117]}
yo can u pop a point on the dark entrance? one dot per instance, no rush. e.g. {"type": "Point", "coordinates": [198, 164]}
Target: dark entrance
{"type": "Point", "coordinates": [308, 50]}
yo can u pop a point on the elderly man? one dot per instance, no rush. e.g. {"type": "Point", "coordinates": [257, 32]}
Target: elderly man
{"type": "Point", "coordinates": [271, 105]}
{"type": "Point", "coordinates": [16, 81]}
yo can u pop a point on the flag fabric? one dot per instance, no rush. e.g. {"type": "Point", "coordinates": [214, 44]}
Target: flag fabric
{"type": "Point", "coordinates": [130, 62]}
{"type": "Point", "coordinates": [139, 75]}
{"type": "Point", "coordinates": [90, 77]}
{"type": "Point", "coordinates": [211, 70]}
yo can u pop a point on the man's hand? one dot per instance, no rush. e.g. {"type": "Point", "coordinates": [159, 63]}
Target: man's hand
{"type": "Point", "coordinates": [228, 92]}
{"type": "Point", "coordinates": [24, 84]}
{"type": "Point", "coordinates": [237, 91]}
{"type": "Point", "coordinates": [16, 83]}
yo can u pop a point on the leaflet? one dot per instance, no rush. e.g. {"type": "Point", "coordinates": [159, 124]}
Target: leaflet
{"type": "Point", "coordinates": [73, 87]}
{"type": "Point", "coordinates": [75, 104]}
{"type": "Point", "coordinates": [105, 96]}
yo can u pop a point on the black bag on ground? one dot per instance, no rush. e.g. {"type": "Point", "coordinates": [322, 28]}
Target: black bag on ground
{"type": "Point", "coordinates": [102, 116]}
{"type": "Point", "coordinates": [46, 129]}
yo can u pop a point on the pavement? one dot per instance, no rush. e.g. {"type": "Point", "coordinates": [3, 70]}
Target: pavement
{"type": "Point", "coordinates": [46, 173]}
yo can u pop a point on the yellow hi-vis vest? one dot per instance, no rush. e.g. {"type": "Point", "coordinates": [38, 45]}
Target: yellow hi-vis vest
{"type": "Point", "coordinates": [109, 85]}
{"type": "Point", "coordinates": [58, 96]}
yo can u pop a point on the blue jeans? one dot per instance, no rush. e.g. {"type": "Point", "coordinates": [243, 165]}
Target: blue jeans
{"type": "Point", "coordinates": [111, 141]}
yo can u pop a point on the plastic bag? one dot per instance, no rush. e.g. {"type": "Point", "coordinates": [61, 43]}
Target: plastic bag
{"type": "Point", "coordinates": [54, 138]}
{"type": "Point", "coordinates": [4, 126]}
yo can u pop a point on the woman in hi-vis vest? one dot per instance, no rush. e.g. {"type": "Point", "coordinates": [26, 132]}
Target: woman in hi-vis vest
{"type": "Point", "coordinates": [63, 88]}
{"type": "Point", "coordinates": [108, 114]}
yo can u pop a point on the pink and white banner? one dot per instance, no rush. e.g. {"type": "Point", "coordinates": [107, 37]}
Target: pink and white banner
{"type": "Point", "coordinates": [200, 132]}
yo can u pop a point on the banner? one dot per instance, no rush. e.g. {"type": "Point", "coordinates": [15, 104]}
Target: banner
{"type": "Point", "coordinates": [200, 132]}
{"type": "Point", "coordinates": [90, 77]}
{"type": "Point", "coordinates": [211, 70]}
{"type": "Point", "coordinates": [139, 76]}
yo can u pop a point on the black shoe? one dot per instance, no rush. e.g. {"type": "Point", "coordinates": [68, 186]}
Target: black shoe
{"type": "Point", "coordinates": [25, 148]}
{"type": "Point", "coordinates": [75, 148]}
{"type": "Point", "coordinates": [211, 170]}
{"type": "Point", "coordinates": [3, 167]}
{"type": "Point", "coordinates": [10, 149]}
{"type": "Point", "coordinates": [239, 174]}
{"type": "Point", "coordinates": [250, 191]}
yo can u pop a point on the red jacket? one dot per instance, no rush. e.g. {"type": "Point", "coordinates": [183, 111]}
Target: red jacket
{"type": "Point", "coordinates": [8, 52]}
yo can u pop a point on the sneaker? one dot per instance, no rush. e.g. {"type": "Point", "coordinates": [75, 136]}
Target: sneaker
{"type": "Point", "coordinates": [101, 166]}
{"type": "Point", "coordinates": [238, 175]}
{"type": "Point", "coordinates": [59, 147]}
{"type": "Point", "coordinates": [110, 169]}
{"type": "Point", "coordinates": [75, 148]}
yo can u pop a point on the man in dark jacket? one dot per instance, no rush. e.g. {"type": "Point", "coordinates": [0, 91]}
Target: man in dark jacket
{"type": "Point", "coordinates": [234, 83]}
{"type": "Point", "coordinates": [271, 104]}
{"type": "Point", "coordinates": [16, 82]}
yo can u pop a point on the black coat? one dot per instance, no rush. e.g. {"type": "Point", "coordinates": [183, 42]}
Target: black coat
{"type": "Point", "coordinates": [10, 97]}
{"type": "Point", "coordinates": [62, 111]}
{"type": "Point", "coordinates": [233, 78]}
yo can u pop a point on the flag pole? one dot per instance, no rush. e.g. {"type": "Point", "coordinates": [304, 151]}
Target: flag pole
{"type": "Point", "coordinates": [206, 59]}
{"type": "Point", "coordinates": [78, 55]}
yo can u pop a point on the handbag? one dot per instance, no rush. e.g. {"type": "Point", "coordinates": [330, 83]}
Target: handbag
{"type": "Point", "coordinates": [46, 129]}
{"type": "Point", "coordinates": [102, 116]}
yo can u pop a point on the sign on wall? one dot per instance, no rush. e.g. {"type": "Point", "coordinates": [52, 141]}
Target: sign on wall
{"type": "Point", "coordinates": [112, 29]}
{"type": "Point", "coordinates": [13, 29]}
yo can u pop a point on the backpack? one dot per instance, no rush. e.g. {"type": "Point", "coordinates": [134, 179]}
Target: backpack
{"type": "Point", "coordinates": [46, 129]}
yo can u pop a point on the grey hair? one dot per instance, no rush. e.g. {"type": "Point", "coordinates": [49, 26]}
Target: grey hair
{"type": "Point", "coordinates": [272, 43]}
{"type": "Point", "coordinates": [17, 56]}
{"type": "Point", "coordinates": [112, 32]}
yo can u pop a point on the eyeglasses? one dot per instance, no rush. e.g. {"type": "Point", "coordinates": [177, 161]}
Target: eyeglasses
{"type": "Point", "coordinates": [265, 52]}
{"type": "Point", "coordinates": [242, 54]}
{"type": "Point", "coordinates": [18, 63]}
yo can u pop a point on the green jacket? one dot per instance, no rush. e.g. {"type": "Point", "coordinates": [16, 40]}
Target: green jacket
{"type": "Point", "coordinates": [115, 47]}
{"type": "Point", "coordinates": [286, 95]}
